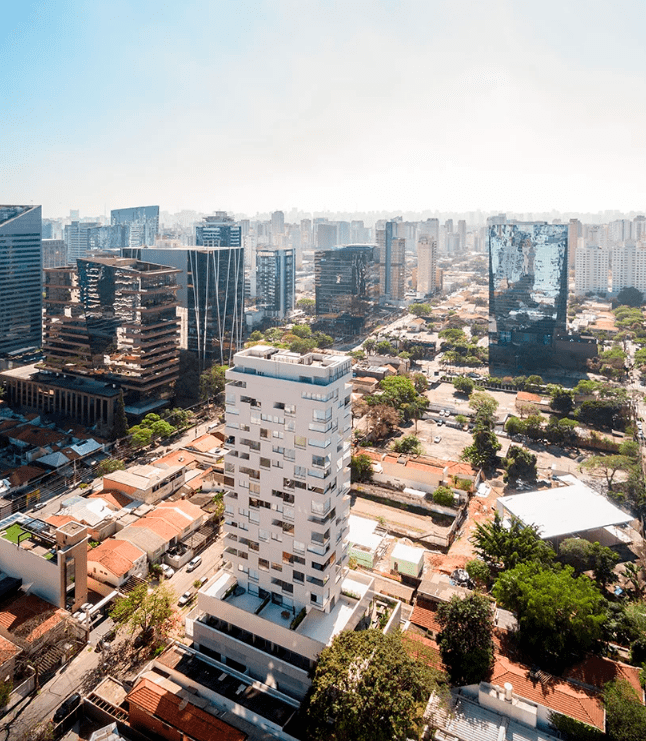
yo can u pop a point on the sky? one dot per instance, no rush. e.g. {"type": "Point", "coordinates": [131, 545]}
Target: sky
{"type": "Point", "coordinates": [350, 105]}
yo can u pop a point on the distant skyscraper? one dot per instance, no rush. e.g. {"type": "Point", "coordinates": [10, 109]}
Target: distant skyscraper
{"type": "Point", "coordinates": [20, 277]}
{"type": "Point", "coordinates": [275, 271]}
{"type": "Point", "coordinates": [573, 234]}
{"type": "Point", "coordinates": [392, 262]}
{"type": "Point", "coordinates": [219, 230]}
{"type": "Point", "coordinates": [142, 221]}
{"type": "Point", "coordinates": [426, 265]}
{"type": "Point", "coordinates": [277, 224]}
{"type": "Point", "coordinates": [527, 289]}
{"type": "Point", "coordinates": [345, 279]}
{"type": "Point", "coordinates": [591, 270]}
{"type": "Point", "coordinates": [326, 236]}
{"type": "Point", "coordinates": [54, 253]}
{"type": "Point", "coordinates": [462, 234]}
{"type": "Point", "coordinates": [78, 239]}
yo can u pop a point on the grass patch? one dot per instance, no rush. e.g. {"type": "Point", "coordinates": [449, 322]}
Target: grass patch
{"type": "Point", "coordinates": [13, 533]}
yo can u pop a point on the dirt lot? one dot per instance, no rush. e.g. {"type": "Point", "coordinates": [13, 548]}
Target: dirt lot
{"type": "Point", "coordinates": [444, 395]}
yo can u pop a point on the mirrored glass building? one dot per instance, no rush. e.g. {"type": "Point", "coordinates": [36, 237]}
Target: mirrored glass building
{"type": "Point", "coordinates": [528, 272]}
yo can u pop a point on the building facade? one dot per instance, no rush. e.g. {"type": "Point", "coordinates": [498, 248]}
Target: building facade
{"type": "Point", "coordinates": [527, 289]}
{"type": "Point", "coordinates": [426, 265]}
{"type": "Point", "coordinates": [345, 280]}
{"type": "Point", "coordinates": [78, 239]}
{"type": "Point", "coordinates": [20, 277]}
{"type": "Point", "coordinates": [591, 270]}
{"type": "Point", "coordinates": [392, 262]}
{"type": "Point", "coordinates": [142, 223]}
{"type": "Point", "coordinates": [219, 230]}
{"type": "Point", "coordinates": [114, 319]}
{"type": "Point", "coordinates": [275, 281]}
{"type": "Point", "coordinates": [54, 253]}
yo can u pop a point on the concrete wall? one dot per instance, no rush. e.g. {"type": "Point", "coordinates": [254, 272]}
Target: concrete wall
{"type": "Point", "coordinates": [39, 576]}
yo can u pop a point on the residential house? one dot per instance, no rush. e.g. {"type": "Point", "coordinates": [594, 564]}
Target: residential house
{"type": "Point", "coordinates": [115, 561]}
{"type": "Point", "coordinates": [148, 484]}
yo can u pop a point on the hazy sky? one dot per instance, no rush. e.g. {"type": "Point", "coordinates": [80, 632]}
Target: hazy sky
{"type": "Point", "coordinates": [255, 105]}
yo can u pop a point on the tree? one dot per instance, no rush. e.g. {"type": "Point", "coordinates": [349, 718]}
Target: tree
{"type": "Point", "coordinates": [419, 309]}
{"type": "Point", "coordinates": [302, 330]}
{"type": "Point", "coordinates": [308, 305]}
{"type": "Point", "coordinates": [582, 555]}
{"type": "Point", "coordinates": [444, 496]}
{"type": "Point", "coordinates": [534, 383]}
{"type": "Point", "coordinates": [483, 452]}
{"type": "Point", "coordinates": [148, 611]}
{"type": "Point", "coordinates": [478, 572]}
{"type": "Point", "coordinates": [369, 345]}
{"type": "Point", "coordinates": [361, 468]}
{"type": "Point", "coordinates": [519, 463]}
{"type": "Point", "coordinates": [120, 427]}
{"type": "Point", "coordinates": [515, 426]}
{"type": "Point", "coordinates": [420, 382]}
{"type": "Point", "coordinates": [562, 400]}
{"type": "Point", "coordinates": [463, 385]}
{"type": "Point", "coordinates": [604, 414]}
{"type": "Point", "coordinates": [366, 687]}
{"type": "Point", "coordinates": [108, 466]}
{"type": "Point", "coordinates": [630, 297]}
{"type": "Point", "coordinates": [507, 547]}
{"type": "Point", "coordinates": [465, 640]}
{"type": "Point", "coordinates": [484, 406]}
{"type": "Point", "coordinates": [381, 419]}
{"type": "Point", "coordinates": [560, 615]}
{"type": "Point", "coordinates": [408, 444]}
{"type": "Point", "coordinates": [625, 714]}
{"type": "Point", "coordinates": [608, 465]}
{"type": "Point", "coordinates": [140, 436]}
{"type": "Point", "coordinates": [212, 381]}
{"type": "Point", "coordinates": [396, 391]}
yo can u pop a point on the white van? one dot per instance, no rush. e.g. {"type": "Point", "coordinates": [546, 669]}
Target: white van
{"type": "Point", "coordinates": [194, 563]}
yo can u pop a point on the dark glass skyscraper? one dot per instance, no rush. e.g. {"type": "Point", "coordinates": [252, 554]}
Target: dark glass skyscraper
{"type": "Point", "coordinates": [20, 277]}
{"type": "Point", "coordinates": [528, 265]}
{"type": "Point", "coordinates": [275, 281]}
{"type": "Point", "coordinates": [346, 279]}
{"type": "Point", "coordinates": [219, 230]}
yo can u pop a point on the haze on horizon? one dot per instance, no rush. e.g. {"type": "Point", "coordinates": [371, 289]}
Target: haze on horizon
{"type": "Point", "coordinates": [355, 105]}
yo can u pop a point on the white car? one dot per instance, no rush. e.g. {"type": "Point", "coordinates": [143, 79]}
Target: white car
{"type": "Point", "coordinates": [185, 598]}
{"type": "Point", "coordinates": [194, 563]}
{"type": "Point", "coordinates": [167, 571]}
{"type": "Point", "coordinates": [437, 439]}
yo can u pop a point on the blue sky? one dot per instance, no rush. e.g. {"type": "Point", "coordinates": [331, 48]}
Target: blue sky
{"type": "Point", "coordinates": [321, 104]}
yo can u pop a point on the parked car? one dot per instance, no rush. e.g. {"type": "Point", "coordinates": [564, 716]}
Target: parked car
{"type": "Point", "coordinates": [203, 581]}
{"type": "Point", "coordinates": [166, 570]}
{"type": "Point", "coordinates": [72, 702]}
{"type": "Point", "coordinates": [38, 506]}
{"type": "Point", "coordinates": [194, 563]}
{"type": "Point", "coordinates": [437, 439]}
{"type": "Point", "coordinates": [185, 598]}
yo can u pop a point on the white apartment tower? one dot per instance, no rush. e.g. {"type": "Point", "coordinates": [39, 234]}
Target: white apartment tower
{"type": "Point", "coordinates": [591, 270]}
{"type": "Point", "coordinates": [426, 264]}
{"type": "Point", "coordinates": [288, 469]}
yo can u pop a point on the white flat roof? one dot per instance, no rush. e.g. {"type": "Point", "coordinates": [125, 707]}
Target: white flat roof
{"type": "Point", "coordinates": [564, 510]}
{"type": "Point", "coordinates": [362, 532]}
{"type": "Point", "coordinates": [408, 553]}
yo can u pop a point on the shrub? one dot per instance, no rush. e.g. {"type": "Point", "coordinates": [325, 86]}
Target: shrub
{"type": "Point", "coordinates": [444, 496]}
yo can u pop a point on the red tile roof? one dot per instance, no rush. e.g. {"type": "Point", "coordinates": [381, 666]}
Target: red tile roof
{"type": "Point", "coordinates": [424, 649]}
{"type": "Point", "coordinates": [112, 496]}
{"type": "Point", "coordinates": [7, 650]}
{"type": "Point", "coordinates": [556, 694]}
{"type": "Point", "coordinates": [176, 458]}
{"type": "Point", "coordinates": [29, 617]}
{"type": "Point", "coordinates": [204, 443]}
{"type": "Point", "coordinates": [597, 671]}
{"type": "Point", "coordinates": [425, 617]}
{"type": "Point", "coordinates": [180, 714]}
{"type": "Point", "coordinates": [118, 556]}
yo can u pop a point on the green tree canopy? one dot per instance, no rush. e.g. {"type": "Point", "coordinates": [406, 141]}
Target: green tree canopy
{"type": "Point", "coordinates": [484, 405]}
{"type": "Point", "coordinates": [582, 555]}
{"type": "Point", "coordinates": [562, 400]}
{"type": "Point", "coordinates": [630, 297]}
{"type": "Point", "coordinates": [519, 463]}
{"type": "Point", "coordinates": [507, 547]}
{"type": "Point", "coordinates": [397, 390]}
{"type": "Point", "coordinates": [308, 305]}
{"type": "Point", "coordinates": [408, 444]}
{"type": "Point", "coordinates": [483, 452]}
{"type": "Point", "coordinates": [444, 496]}
{"type": "Point", "coordinates": [361, 468]}
{"type": "Point", "coordinates": [625, 713]}
{"type": "Point", "coordinates": [366, 687]}
{"type": "Point", "coordinates": [463, 384]}
{"type": "Point", "coordinates": [419, 309]}
{"type": "Point", "coordinates": [465, 641]}
{"type": "Point", "coordinates": [560, 615]}
{"type": "Point", "coordinates": [108, 466]}
{"type": "Point", "coordinates": [151, 611]}
{"type": "Point", "coordinates": [212, 381]}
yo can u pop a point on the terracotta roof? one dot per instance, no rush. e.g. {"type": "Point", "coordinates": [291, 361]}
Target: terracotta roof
{"type": "Point", "coordinates": [29, 617]}
{"type": "Point", "coordinates": [38, 436]}
{"type": "Point", "coordinates": [597, 672]}
{"type": "Point", "coordinates": [420, 647]}
{"type": "Point", "coordinates": [59, 520]}
{"type": "Point", "coordinates": [24, 474]}
{"type": "Point", "coordinates": [425, 617]}
{"type": "Point", "coordinates": [554, 693]}
{"type": "Point", "coordinates": [204, 443]}
{"type": "Point", "coordinates": [118, 556]}
{"type": "Point", "coordinates": [180, 714]}
{"type": "Point", "coordinates": [112, 496]}
{"type": "Point", "coordinates": [176, 458]}
{"type": "Point", "coordinates": [159, 526]}
{"type": "Point", "coordinates": [7, 650]}
{"type": "Point", "coordinates": [421, 466]}
{"type": "Point", "coordinates": [453, 468]}
{"type": "Point", "coordinates": [190, 510]}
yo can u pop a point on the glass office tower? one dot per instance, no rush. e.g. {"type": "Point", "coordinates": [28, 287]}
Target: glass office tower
{"type": "Point", "coordinates": [527, 287]}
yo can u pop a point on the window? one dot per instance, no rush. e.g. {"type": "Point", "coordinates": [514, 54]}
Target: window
{"type": "Point", "coordinates": [300, 441]}
{"type": "Point", "coordinates": [300, 471]}
{"type": "Point", "coordinates": [322, 415]}
{"type": "Point", "coordinates": [299, 547]}
{"type": "Point", "coordinates": [277, 464]}
{"type": "Point", "coordinates": [265, 463]}
{"type": "Point", "coordinates": [278, 434]}
{"type": "Point", "coordinates": [263, 564]}
{"type": "Point", "coordinates": [297, 576]}
{"type": "Point", "coordinates": [290, 426]}
{"type": "Point", "coordinates": [263, 534]}
{"type": "Point", "coordinates": [276, 566]}
{"type": "Point", "coordinates": [264, 433]}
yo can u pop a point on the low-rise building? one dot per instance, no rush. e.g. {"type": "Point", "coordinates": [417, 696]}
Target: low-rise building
{"type": "Point", "coordinates": [149, 484]}
{"type": "Point", "coordinates": [115, 561]}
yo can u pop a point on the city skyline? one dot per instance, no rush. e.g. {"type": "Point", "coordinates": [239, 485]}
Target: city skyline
{"type": "Point", "coordinates": [323, 106]}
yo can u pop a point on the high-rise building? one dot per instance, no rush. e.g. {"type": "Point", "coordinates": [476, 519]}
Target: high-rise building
{"type": "Point", "coordinates": [54, 253]}
{"type": "Point", "coordinates": [20, 277]}
{"type": "Point", "coordinates": [210, 296]}
{"type": "Point", "coordinates": [392, 262]}
{"type": "Point", "coordinates": [527, 289]}
{"type": "Point", "coordinates": [219, 230]}
{"type": "Point", "coordinates": [462, 235]}
{"type": "Point", "coordinates": [326, 236]}
{"type": "Point", "coordinates": [283, 593]}
{"type": "Point", "coordinates": [114, 319]}
{"type": "Point", "coordinates": [574, 232]}
{"type": "Point", "coordinates": [346, 279]}
{"type": "Point", "coordinates": [591, 269]}
{"type": "Point", "coordinates": [277, 225]}
{"type": "Point", "coordinates": [142, 223]}
{"type": "Point", "coordinates": [426, 265]}
{"type": "Point", "coordinates": [78, 239]}
{"type": "Point", "coordinates": [628, 267]}
{"type": "Point", "coordinates": [275, 286]}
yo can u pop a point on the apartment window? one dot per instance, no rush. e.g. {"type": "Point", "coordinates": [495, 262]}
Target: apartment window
{"type": "Point", "coordinates": [300, 471]}
{"type": "Point", "coordinates": [263, 534]}
{"type": "Point", "coordinates": [277, 463]}
{"type": "Point", "coordinates": [290, 409]}
{"type": "Point", "coordinates": [299, 547]}
{"type": "Point", "coordinates": [253, 575]}
{"type": "Point", "coordinates": [322, 415]}
{"type": "Point", "coordinates": [290, 455]}
{"type": "Point", "coordinates": [297, 576]}
{"type": "Point", "coordinates": [265, 463]}
{"type": "Point", "coordinates": [263, 564]}
{"type": "Point", "coordinates": [276, 566]}
{"type": "Point", "coordinates": [315, 599]}
{"type": "Point", "coordinates": [300, 441]}
{"type": "Point", "coordinates": [277, 449]}
{"type": "Point", "coordinates": [278, 537]}
{"type": "Point", "coordinates": [243, 512]}
{"type": "Point", "coordinates": [287, 557]}
{"type": "Point", "coordinates": [254, 488]}
{"type": "Point", "coordinates": [278, 434]}
{"type": "Point", "coordinates": [264, 433]}
{"type": "Point", "coordinates": [290, 425]}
